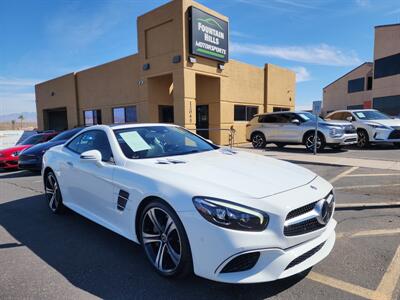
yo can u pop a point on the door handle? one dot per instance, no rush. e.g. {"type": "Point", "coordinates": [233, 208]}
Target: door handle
{"type": "Point", "coordinates": [70, 164]}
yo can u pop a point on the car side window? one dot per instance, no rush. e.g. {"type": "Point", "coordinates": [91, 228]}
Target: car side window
{"type": "Point", "coordinates": [268, 119]}
{"type": "Point", "coordinates": [347, 115]}
{"type": "Point", "coordinates": [74, 144]}
{"type": "Point", "coordinates": [92, 140]}
{"type": "Point", "coordinates": [336, 116]}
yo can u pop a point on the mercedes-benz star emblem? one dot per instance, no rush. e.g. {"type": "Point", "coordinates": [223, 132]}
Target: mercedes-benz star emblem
{"type": "Point", "coordinates": [324, 210]}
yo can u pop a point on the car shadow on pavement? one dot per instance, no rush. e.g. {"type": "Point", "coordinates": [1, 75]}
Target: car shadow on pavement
{"type": "Point", "coordinates": [107, 265]}
{"type": "Point", "coordinates": [17, 174]}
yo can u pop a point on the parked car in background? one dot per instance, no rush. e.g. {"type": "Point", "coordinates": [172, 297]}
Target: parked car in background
{"type": "Point", "coordinates": [372, 126]}
{"type": "Point", "coordinates": [192, 205]}
{"type": "Point", "coordinates": [31, 159]}
{"type": "Point", "coordinates": [9, 157]}
{"type": "Point", "coordinates": [291, 128]}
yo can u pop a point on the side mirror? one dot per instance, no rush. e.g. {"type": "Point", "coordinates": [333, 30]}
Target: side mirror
{"type": "Point", "coordinates": [350, 119]}
{"type": "Point", "coordinates": [91, 155]}
{"type": "Point", "coordinates": [296, 122]}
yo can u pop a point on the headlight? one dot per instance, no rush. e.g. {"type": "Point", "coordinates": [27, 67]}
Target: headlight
{"type": "Point", "coordinates": [378, 126]}
{"type": "Point", "coordinates": [230, 215]}
{"type": "Point", "coordinates": [336, 132]}
{"type": "Point", "coordinates": [16, 153]}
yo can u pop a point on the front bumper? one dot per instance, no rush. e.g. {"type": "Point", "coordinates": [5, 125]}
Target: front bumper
{"type": "Point", "coordinates": [8, 163]}
{"type": "Point", "coordinates": [30, 163]}
{"type": "Point", "coordinates": [346, 139]}
{"type": "Point", "coordinates": [215, 247]}
{"type": "Point", "coordinates": [385, 136]}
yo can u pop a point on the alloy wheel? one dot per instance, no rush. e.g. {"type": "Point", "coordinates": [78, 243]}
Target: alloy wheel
{"type": "Point", "coordinates": [362, 139]}
{"type": "Point", "coordinates": [310, 142]}
{"type": "Point", "coordinates": [161, 240]}
{"type": "Point", "coordinates": [257, 141]}
{"type": "Point", "coordinates": [52, 193]}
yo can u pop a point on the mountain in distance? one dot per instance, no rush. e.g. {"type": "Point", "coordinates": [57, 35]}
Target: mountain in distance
{"type": "Point", "coordinates": [28, 117]}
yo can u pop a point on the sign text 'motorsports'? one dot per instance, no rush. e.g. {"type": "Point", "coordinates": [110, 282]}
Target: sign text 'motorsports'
{"type": "Point", "coordinates": [208, 35]}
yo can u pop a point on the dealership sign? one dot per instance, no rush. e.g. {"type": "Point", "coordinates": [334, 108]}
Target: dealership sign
{"type": "Point", "coordinates": [208, 35]}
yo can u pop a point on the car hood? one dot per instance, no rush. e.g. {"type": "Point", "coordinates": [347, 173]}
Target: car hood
{"type": "Point", "coordinates": [240, 173]}
{"type": "Point", "coordinates": [338, 122]}
{"type": "Point", "coordinates": [386, 122]}
{"type": "Point", "coordinates": [39, 148]}
{"type": "Point", "coordinates": [9, 151]}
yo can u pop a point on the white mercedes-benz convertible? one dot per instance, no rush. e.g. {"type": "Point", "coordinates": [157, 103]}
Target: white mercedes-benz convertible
{"type": "Point", "coordinates": [225, 215]}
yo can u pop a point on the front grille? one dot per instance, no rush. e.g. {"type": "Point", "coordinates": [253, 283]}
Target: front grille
{"type": "Point", "coordinates": [303, 227]}
{"type": "Point", "coordinates": [395, 134]}
{"type": "Point", "coordinates": [349, 129]}
{"type": "Point", "coordinates": [305, 256]}
{"type": "Point", "coordinates": [310, 222]}
{"type": "Point", "coordinates": [300, 211]}
{"type": "Point", "coordinates": [242, 262]}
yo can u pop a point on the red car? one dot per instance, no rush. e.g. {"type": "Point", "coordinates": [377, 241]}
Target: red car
{"type": "Point", "coordinates": [9, 156]}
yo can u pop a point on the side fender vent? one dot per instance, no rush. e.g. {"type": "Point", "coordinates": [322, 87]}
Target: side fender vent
{"type": "Point", "coordinates": [122, 200]}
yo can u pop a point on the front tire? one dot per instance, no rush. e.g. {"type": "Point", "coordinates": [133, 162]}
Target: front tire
{"type": "Point", "coordinates": [258, 140]}
{"type": "Point", "coordinates": [164, 240]}
{"type": "Point", "coordinates": [53, 193]}
{"type": "Point", "coordinates": [363, 139]}
{"type": "Point", "coordinates": [309, 142]}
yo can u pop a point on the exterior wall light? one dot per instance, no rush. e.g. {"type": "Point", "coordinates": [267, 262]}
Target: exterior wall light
{"type": "Point", "coordinates": [192, 59]}
{"type": "Point", "coordinates": [221, 66]}
{"type": "Point", "coordinates": [146, 67]}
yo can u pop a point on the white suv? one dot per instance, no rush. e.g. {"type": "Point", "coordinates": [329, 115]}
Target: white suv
{"type": "Point", "coordinates": [290, 128]}
{"type": "Point", "coordinates": [372, 126]}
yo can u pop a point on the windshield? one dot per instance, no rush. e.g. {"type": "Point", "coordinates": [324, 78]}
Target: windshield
{"type": "Point", "coordinates": [66, 135]}
{"type": "Point", "coordinates": [307, 116]}
{"type": "Point", "coordinates": [371, 115]}
{"type": "Point", "coordinates": [159, 141]}
{"type": "Point", "coordinates": [32, 140]}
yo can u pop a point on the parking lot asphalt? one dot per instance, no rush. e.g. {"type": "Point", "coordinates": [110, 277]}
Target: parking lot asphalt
{"type": "Point", "coordinates": [386, 152]}
{"type": "Point", "coordinates": [46, 256]}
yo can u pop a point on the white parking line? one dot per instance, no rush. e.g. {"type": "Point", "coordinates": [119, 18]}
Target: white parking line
{"type": "Point", "coordinates": [345, 173]}
{"type": "Point", "coordinates": [366, 186]}
{"type": "Point", "coordinates": [372, 175]}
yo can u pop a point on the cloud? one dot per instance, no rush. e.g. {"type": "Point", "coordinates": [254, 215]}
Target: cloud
{"type": "Point", "coordinates": [320, 54]}
{"type": "Point", "coordinates": [76, 28]}
{"type": "Point", "coordinates": [17, 94]}
{"type": "Point", "coordinates": [283, 5]}
{"type": "Point", "coordinates": [302, 74]}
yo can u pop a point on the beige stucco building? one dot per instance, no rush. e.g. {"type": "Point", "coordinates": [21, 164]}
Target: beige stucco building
{"type": "Point", "coordinates": [168, 81]}
{"type": "Point", "coordinates": [372, 84]}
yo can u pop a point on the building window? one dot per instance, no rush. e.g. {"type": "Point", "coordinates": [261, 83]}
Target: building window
{"type": "Point", "coordinates": [356, 106]}
{"type": "Point", "coordinates": [244, 113]}
{"type": "Point", "coordinates": [355, 85]}
{"type": "Point", "coordinates": [389, 104]}
{"type": "Point", "coordinates": [369, 83]}
{"type": "Point", "coordinates": [387, 66]}
{"type": "Point", "coordinates": [166, 113]}
{"type": "Point", "coordinates": [124, 115]}
{"type": "Point", "coordinates": [277, 108]}
{"type": "Point", "coordinates": [92, 117]}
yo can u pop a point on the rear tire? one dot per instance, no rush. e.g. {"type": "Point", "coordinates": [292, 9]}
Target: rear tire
{"type": "Point", "coordinates": [309, 142]}
{"type": "Point", "coordinates": [164, 240]}
{"type": "Point", "coordinates": [53, 193]}
{"type": "Point", "coordinates": [363, 138]}
{"type": "Point", "coordinates": [258, 140]}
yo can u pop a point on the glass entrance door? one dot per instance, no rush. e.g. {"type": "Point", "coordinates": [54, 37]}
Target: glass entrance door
{"type": "Point", "coordinates": [202, 120]}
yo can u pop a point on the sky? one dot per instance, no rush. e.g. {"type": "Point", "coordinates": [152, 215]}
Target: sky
{"type": "Point", "coordinates": [319, 39]}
